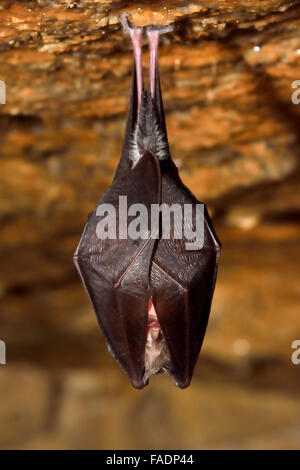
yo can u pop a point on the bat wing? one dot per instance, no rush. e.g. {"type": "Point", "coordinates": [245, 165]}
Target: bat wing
{"type": "Point", "coordinates": [182, 283]}
{"type": "Point", "coordinates": [115, 272]}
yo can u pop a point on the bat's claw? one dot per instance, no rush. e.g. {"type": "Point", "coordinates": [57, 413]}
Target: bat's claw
{"type": "Point", "coordinates": [128, 28]}
{"type": "Point", "coordinates": [159, 29]}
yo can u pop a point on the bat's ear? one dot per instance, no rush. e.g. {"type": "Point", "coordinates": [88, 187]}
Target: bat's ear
{"type": "Point", "coordinates": [125, 164]}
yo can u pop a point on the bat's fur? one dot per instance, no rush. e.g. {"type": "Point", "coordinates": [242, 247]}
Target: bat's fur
{"type": "Point", "coordinates": [157, 355]}
{"type": "Point", "coordinates": [147, 134]}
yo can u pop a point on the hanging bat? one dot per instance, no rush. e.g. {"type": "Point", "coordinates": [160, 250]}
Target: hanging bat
{"type": "Point", "coordinates": [151, 294]}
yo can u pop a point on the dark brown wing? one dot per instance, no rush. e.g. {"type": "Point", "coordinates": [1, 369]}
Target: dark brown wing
{"type": "Point", "coordinates": [116, 272]}
{"type": "Point", "coordinates": [182, 283]}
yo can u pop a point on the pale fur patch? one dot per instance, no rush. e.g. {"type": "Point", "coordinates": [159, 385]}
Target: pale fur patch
{"type": "Point", "coordinates": [157, 355]}
{"type": "Point", "coordinates": [160, 150]}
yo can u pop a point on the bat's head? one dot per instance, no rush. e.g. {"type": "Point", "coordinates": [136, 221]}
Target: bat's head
{"type": "Point", "coordinates": [157, 355]}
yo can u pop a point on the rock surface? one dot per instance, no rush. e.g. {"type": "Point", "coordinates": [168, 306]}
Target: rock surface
{"type": "Point", "coordinates": [227, 71]}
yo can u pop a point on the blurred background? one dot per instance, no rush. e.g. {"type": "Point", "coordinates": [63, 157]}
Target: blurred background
{"type": "Point", "coordinates": [227, 72]}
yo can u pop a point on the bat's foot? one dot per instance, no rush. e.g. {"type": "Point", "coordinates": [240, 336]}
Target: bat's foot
{"type": "Point", "coordinates": [153, 33]}
{"type": "Point", "coordinates": [128, 28]}
{"type": "Point", "coordinates": [136, 38]}
{"type": "Point", "coordinates": [159, 29]}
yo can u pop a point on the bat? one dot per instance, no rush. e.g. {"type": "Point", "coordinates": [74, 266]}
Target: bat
{"type": "Point", "coordinates": [151, 292]}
